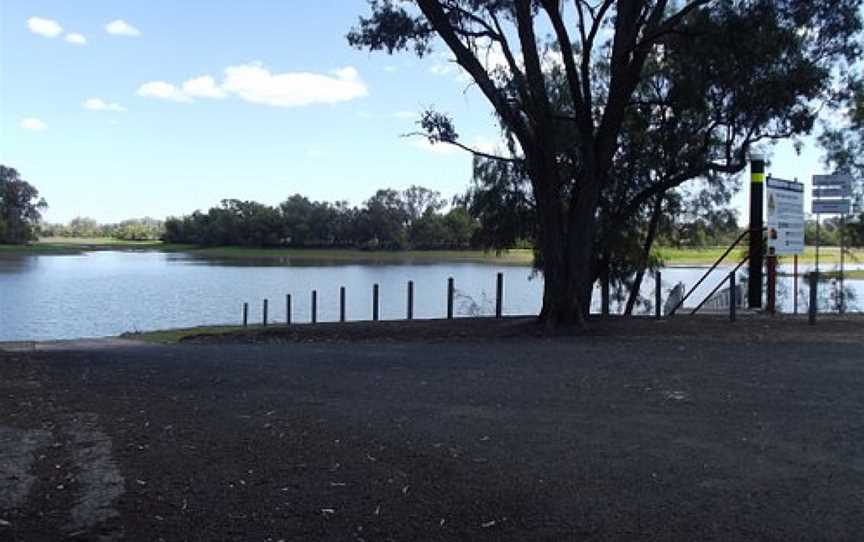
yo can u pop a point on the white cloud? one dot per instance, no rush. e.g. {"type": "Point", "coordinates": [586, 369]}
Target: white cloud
{"type": "Point", "coordinates": [33, 124]}
{"type": "Point", "coordinates": [203, 87]}
{"type": "Point", "coordinates": [255, 83]}
{"type": "Point", "coordinates": [97, 104]}
{"type": "Point", "coordinates": [120, 27]}
{"type": "Point", "coordinates": [406, 115]}
{"type": "Point", "coordinates": [48, 28]}
{"type": "Point", "coordinates": [391, 69]}
{"type": "Point", "coordinates": [162, 91]}
{"type": "Point", "coordinates": [77, 39]}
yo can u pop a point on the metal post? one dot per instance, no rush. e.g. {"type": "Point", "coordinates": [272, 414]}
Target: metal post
{"type": "Point", "coordinates": [374, 302]}
{"type": "Point", "coordinates": [814, 297]}
{"type": "Point", "coordinates": [818, 239]}
{"type": "Point", "coordinates": [604, 295]}
{"type": "Point", "coordinates": [288, 309]}
{"type": "Point", "coordinates": [842, 297]}
{"type": "Point", "coordinates": [772, 284]}
{"type": "Point", "coordinates": [264, 315]}
{"type": "Point", "coordinates": [795, 284]}
{"type": "Point", "coordinates": [733, 301]}
{"type": "Point", "coordinates": [314, 306]}
{"type": "Point", "coordinates": [342, 304]}
{"type": "Point", "coordinates": [658, 296]}
{"type": "Point", "coordinates": [410, 308]}
{"type": "Point", "coordinates": [450, 290]}
{"type": "Point", "coordinates": [499, 296]}
{"type": "Point", "coordinates": [757, 180]}
{"type": "Point", "coordinates": [245, 314]}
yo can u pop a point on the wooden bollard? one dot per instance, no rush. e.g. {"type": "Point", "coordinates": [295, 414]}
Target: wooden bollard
{"type": "Point", "coordinates": [245, 314]}
{"type": "Point", "coordinates": [342, 304]}
{"type": "Point", "coordinates": [450, 290]}
{"type": "Point", "coordinates": [410, 307]}
{"type": "Point", "coordinates": [288, 309]}
{"type": "Point", "coordinates": [375, 302]}
{"type": "Point", "coordinates": [733, 302]}
{"type": "Point", "coordinates": [658, 296]}
{"type": "Point", "coordinates": [499, 296]}
{"type": "Point", "coordinates": [314, 307]}
{"type": "Point", "coordinates": [264, 315]}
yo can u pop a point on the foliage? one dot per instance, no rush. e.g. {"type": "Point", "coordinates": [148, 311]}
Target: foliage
{"type": "Point", "coordinates": [390, 220]}
{"type": "Point", "coordinates": [624, 103]}
{"type": "Point", "coordinates": [20, 208]}
{"type": "Point", "coordinates": [136, 229]}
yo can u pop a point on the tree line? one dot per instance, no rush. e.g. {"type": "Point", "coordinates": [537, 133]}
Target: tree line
{"type": "Point", "coordinates": [136, 229]}
{"type": "Point", "coordinates": [416, 218]}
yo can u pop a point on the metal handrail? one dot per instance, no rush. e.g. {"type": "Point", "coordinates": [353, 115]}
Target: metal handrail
{"type": "Point", "coordinates": [719, 284]}
{"type": "Point", "coordinates": [744, 234]}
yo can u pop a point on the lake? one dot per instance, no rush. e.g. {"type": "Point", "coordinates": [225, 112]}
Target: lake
{"type": "Point", "coordinates": [107, 293]}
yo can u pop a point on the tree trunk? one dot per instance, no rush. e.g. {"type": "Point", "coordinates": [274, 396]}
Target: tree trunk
{"type": "Point", "coordinates": [646, 252]}
{"type": "Point", "coordinates": [582, 226]}
{"type": "Point", "coordinates": [605, 300]}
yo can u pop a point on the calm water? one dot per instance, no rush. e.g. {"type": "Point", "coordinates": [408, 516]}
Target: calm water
{"type": "Point", "coordinates": [108, 293]}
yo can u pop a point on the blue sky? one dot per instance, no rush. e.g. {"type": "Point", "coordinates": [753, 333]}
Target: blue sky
{"type": "Point", "coordinates": [95, 113]}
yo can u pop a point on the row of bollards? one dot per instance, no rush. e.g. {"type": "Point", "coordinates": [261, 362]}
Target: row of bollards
{"type": "Point", "coordinates": [409, 310]}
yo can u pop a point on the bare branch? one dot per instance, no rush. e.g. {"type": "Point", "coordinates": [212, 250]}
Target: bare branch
{"type": "Point", "coordinates": [464, 147]}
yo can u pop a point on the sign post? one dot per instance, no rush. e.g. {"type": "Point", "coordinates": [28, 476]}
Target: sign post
{"type": "Point", "coordinates": [754, 284]}
{"type": "Point", "coordinates": [785, 220]}
{"type": "Point", "coordinates": [831, 196]}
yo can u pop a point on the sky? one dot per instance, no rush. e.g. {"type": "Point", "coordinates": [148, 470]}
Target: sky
{"type": "Point", "coordinates": [120, 109]}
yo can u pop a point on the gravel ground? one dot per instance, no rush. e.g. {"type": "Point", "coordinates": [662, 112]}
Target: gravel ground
{"type": "Point", "coordinates": [683, 431]}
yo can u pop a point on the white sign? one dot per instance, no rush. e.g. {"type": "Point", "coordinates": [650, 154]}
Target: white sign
{"type": "Point", "coordinates": [831, 206]}
{"type": "Point", "coordinates": [785, 217]}
{"type": "Point", "coordinates": [833, 180]}
{"type": "Point", "coordinates": [819, 193]}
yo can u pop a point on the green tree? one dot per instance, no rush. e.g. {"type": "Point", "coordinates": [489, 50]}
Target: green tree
{"type": "Point", "coordinates": [20, 208]}
{"type": "Point", "coordinates": [571, 177]}
{"type": "Point", "coordinates": [383, 220]}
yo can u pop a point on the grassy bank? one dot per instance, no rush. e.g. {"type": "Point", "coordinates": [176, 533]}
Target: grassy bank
{"type": "Point", "coordinates": [79, 245]}
{"type": "Point", "coordinates": [670, 256]}
{"type": "Point", "coordinates": [66, 246]}
{"type": "Point", "coordinates": [174, 336]}
{"type": "Point", "coordinates": [708, 255]}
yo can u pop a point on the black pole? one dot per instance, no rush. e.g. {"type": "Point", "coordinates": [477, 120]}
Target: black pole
{"type": "Point", "coordinates": [375, 302]}
{"type": "Point", "coordinates": [314, 307]}
{"type": "Point", "coordinates": [450, 289]}
{"type": "Point", "coordinates": [733, 301]}
{"type": "Point", "coordinates": [245, 314]}
{"type": "Point", "coordinates": [410, 308]}
{"type": "Point", "coordinates": [499, 296]}
{"type": "Point", "coordinates": [757, 181]}
{"type": "Point", "coordinates": [342, 304]}
{"type": "Point", "coordinates": [264, 315]}
{"type": "Point", "coordinates": [288, 309]}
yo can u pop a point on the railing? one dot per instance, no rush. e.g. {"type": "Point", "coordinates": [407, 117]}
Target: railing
{"type": "Point", "coordinates": [710, 270]}
{"type": "Point", "coordinates": [719, 284]}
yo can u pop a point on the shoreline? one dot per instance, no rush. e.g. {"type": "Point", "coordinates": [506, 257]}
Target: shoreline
{"type": "Point", "coordinates": [671, 257]}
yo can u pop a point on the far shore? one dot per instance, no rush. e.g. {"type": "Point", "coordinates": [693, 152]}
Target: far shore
{"type": "Point", "coordinates": [670, 256]}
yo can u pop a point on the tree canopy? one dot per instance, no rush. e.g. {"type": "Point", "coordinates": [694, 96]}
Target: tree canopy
{"type": "Point", "coordinates": [622, 102]}
{"type": "Point", "coordinates": [389, 220]}
{"type": "Point", "coordinates": [20, 208]}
